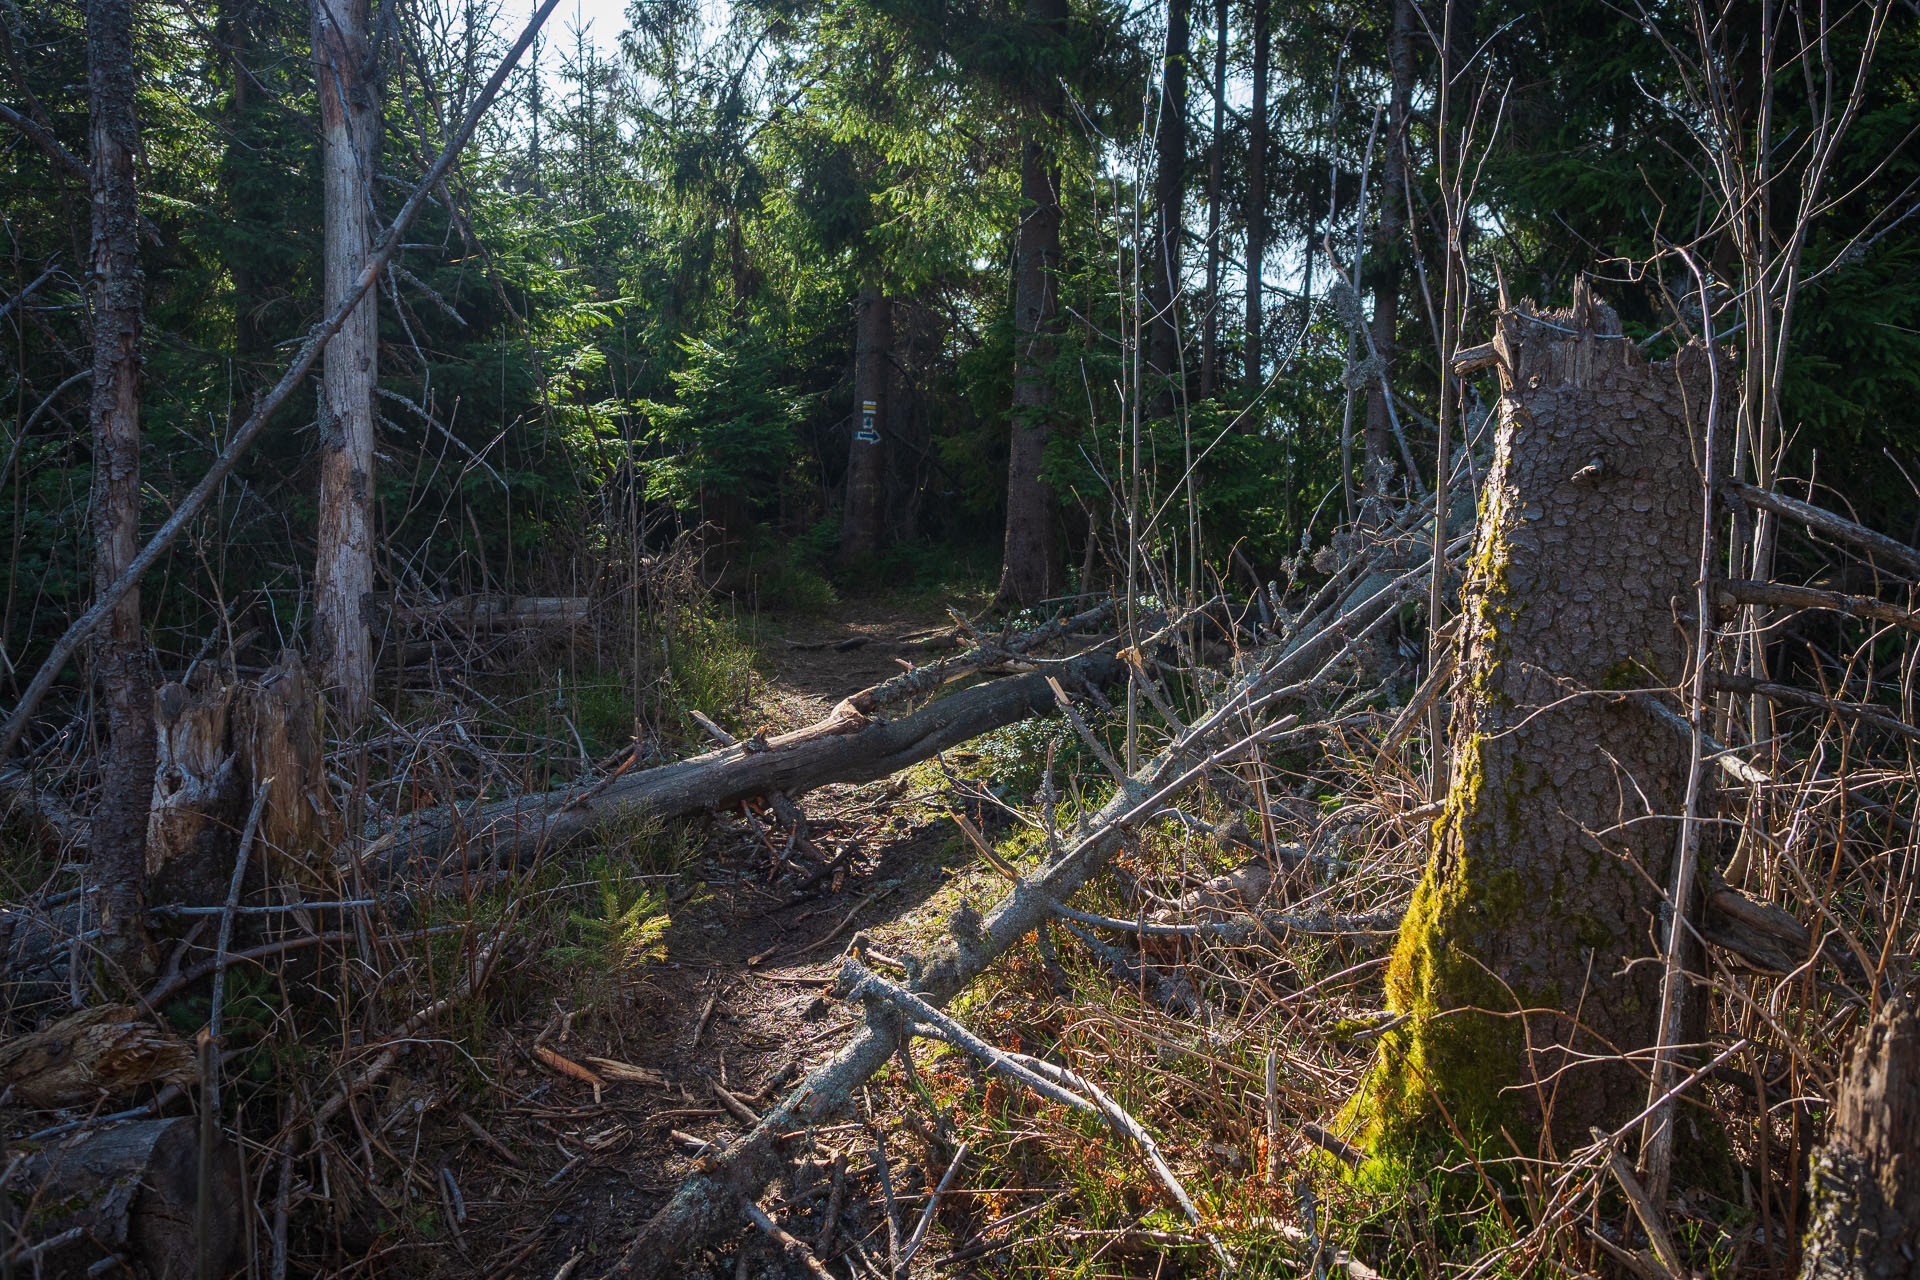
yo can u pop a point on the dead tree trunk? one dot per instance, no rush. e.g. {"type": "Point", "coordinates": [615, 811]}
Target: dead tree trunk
{"type": "Point", "coordinates": [1030, 562]}
{"type": "Point", "coordinates": [1865, 1196]}
{"type": "Point", "coordinates": [125, 1192]}
{"type": "Point", "coordinates": [1257, 194]}
{"type": "Point", "coordinates": [865, 508]}
{"type": "Point", "coordinates": [847, 746]}
{"type": "Point", "coordinates": [219, 743]}
{"type": "Point", "coordinates": [122, 666]}
{"type": "Point", "coordinates": [343, 572]}
{"type": "Point", "coordinates": [1512, 964]}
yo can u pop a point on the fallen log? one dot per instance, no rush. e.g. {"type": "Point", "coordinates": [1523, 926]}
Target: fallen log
{"type": "Point", "coordinates": [1782, 595]}
{"type": "Point", "coordinates": [494, 612]}
{"type": "Point", "coordinates": [49, 816]}
{"type": "Point", "coordinates": [97, 1053]}
{"type": "Point", "coordinates": [125, 1192]}
{"type": "Point", "coordinates": [848, 745]}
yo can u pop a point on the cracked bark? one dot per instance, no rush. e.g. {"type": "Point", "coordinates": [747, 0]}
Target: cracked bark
{"type": "Point", "coordinates": [121, 663]}
{"type": "Point", "coordinates": [1513, 964]}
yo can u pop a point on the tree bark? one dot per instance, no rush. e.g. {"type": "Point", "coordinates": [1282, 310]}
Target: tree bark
{"type": "Point", "coordinates": [1389, 257]}
{"type": "Point", "coordinates": [1169, 212]}
{"type": "Point", "coordinates": [1030, 566]}
{"type": "Point", "coordinates": [220, 743]}
{"type": "Point", "coordinates": [343, 574]}
{"type": "Point", "coordinates": [1545, 882]}
{"type": "Point", "coordinates": [128, 1192]}
{"type": "Point", "coordinates": [1216, 185]}
{"type": "Point", "coordinates": [847, 746]}
{"type": "Point", "coordinates": [122, 665]}
{"type": "Point", "coordinates": [1865, 1196]}
{"type": "Point", "coordinates": [1257, 195]}
{"type": "Point", "coordinates": [865, 508]}
{"type": "Point", "coordinates": [94, 1055]}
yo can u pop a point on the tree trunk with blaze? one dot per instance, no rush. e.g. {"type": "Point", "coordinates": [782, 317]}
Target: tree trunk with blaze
{"type": "Point", "coordinates": [1514, 966]}
{"type": "Point", "coordinates": [343, 573]}
{"type": "Point", "coordinates": [865, 509]}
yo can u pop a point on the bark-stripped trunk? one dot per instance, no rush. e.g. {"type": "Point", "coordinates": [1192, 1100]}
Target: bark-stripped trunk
{"type": "Point", "coordinates": [1389, 256]}
{"type": "Point", "coordinates": [343, 574]}
{"type": "Point", "coordinates": [1549, 860]}
{"type": "Point", "coordinates": [1257, 194]}
{"type": "Point", "coordinates": [1864, 1219]}
{"type": "Point", "coordinates": [848, 745]}
{"type": "Point", "coordinates": [1216, 184]}
{"type": "Point", "coordinates": [865, 508]}
{"type": "Point", "coordinates": [121, 662]}
{"type": "Point", "coordinates": [1169, 212]}
{"type": "Point", "coordinates": [1031, 569]}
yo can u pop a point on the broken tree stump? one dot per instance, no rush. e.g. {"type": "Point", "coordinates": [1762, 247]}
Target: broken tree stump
{"type": "Point", "coordinates": [125, 1192]}
{"type": "Point", "coordinates": [218, 742]}
{"type": "Point", "coordinates": [1864, 1219]}
{"type": "Point", "coordinates": [1513, 966]}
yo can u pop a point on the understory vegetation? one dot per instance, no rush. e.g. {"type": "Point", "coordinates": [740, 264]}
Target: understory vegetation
{"type": "Point", "coordinates": [888, 639]}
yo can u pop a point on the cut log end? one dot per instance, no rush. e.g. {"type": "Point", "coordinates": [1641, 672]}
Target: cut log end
{"type": "Point", "coordinates": [128, 1192]}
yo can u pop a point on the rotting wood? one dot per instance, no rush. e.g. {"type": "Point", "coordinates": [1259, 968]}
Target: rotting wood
{"type": "Point", "coordinates": [50, 816]}
{"type": "Point", "coordinates": [707, 1203]}
{"type": "Point", "coordinates": [846, 746]}
{"type": "Point", "coordinates": [103, 1052]}
{"type": "Point", "coordinates": [219, 743]}
{"type": "Point", "coordinates": [482, 612]}
{"type": "Point", "coordinates": [1864, 1217]}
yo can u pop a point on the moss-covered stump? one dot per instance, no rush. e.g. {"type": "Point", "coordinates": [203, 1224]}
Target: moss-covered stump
{"type": "Point", "coordinates": [1512, 965]}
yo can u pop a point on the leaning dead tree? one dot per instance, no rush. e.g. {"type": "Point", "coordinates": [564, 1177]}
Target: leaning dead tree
{"type": "Point", "coordinates": [1513, 967]}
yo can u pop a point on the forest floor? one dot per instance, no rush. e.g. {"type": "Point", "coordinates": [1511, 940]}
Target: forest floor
{"type": "Point", "coordinates": [735, 999]}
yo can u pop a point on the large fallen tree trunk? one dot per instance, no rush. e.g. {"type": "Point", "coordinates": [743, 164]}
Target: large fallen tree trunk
{"type": "Point", "coordinates": [847, 746]}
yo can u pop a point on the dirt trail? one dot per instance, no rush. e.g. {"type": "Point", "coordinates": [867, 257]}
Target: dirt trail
{"type": "Point", "coordinates": [737, 1002]}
